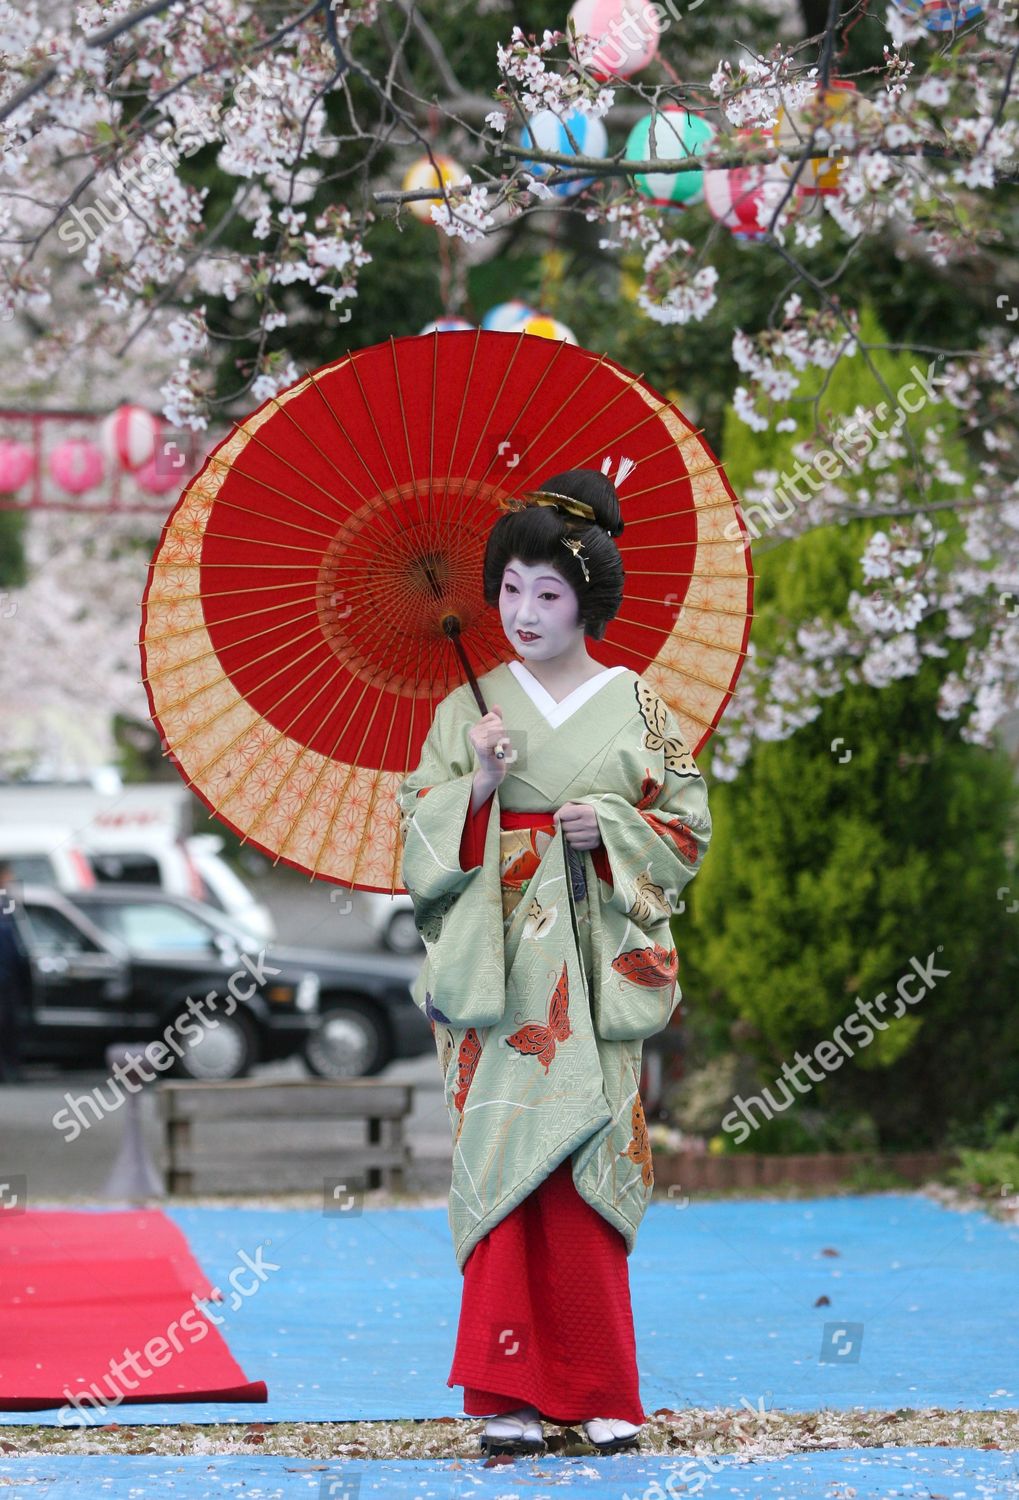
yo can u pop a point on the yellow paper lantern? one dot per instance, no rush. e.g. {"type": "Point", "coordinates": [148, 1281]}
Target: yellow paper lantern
{"type": "Point", "coordinates": [545, 327]}
{"type": "Point", "coordinates": [841, 103]}
{"type": "Point", "coordinates": [423, 175]}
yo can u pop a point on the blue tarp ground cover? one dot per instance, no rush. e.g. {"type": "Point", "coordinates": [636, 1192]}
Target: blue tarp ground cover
{"type": "Point", "coordinates": [867, 1474]}
{"type": "Point", "coordinates": [357, 1317]}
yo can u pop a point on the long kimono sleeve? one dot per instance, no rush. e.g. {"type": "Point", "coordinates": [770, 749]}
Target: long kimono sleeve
{"type": "Point", "coordinates": [458, 911]}
{"type": "Point", "coordinates": [654, 848]}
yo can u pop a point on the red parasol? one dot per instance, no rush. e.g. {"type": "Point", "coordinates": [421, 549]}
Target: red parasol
{"type": "Point", "coordinates": [314, 588]}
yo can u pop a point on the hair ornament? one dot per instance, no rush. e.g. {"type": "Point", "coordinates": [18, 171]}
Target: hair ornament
{"type": "Point", "coordinates": [577, 548]}
{"type": "Point", "coordinates": [625, 469]}
{"type": "Point", "coordinates": [564, 503]}
{"type": "Point", "coordinates": [548, 497]}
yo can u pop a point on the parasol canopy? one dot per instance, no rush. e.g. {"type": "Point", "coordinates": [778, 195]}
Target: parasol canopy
{"type": "Point", "coordinates": [297, 615]}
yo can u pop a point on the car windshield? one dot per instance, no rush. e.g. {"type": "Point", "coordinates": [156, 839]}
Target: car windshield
{"type": "Point", "coordinates": [154, 926]}
{"type": "Point", "coordinates": [230, 927]}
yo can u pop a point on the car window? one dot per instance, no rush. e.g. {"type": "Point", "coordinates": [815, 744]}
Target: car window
{"type": "Point", "coordinates": [126, 869]}
{"type": "Point", "coordinates": [153, 927]}
{"type": "Point", "coordinates": [31, 869]}
{"type": "Point", "coordinates": [51, 933]}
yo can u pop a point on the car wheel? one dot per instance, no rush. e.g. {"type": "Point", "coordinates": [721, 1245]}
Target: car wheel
{"type": "Point", "coordinates": [401, 934]}
{"type": "Point", "coordinates": [221, 1051]}
{"type": "Point", "coordinates": [349, 1042]}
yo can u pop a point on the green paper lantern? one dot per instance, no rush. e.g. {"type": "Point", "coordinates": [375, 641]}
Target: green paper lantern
{"type": "Point", "coordinates": [678, 133]}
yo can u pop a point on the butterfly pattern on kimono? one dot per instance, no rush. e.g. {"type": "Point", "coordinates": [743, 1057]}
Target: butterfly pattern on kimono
{"type": "Point", "coordinates": [650, 902]}
{"type": "Point", "coordinates": [651, 966]}
{"type": "Point", "coordinates": [649, 789]}
{"type": "Point", "coordinates": [467, 1065]}
{"type": "Point", "coordinates": [680, 834]}
{"type": "Point", "coordinates": [656, 736]}
{"type": "Point", "coordinates": [639, 1149]}
{"type": "Point", "coordinates": [539, 1039]}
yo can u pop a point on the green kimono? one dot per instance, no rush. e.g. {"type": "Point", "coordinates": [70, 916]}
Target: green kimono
{"type": "Point", "coordinates": [542, 989]}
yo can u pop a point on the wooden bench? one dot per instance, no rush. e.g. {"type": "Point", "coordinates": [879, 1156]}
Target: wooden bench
{"type": "Point", "coordinates": [283, 1137]}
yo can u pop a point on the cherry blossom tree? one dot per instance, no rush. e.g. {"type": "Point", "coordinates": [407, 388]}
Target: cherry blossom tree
{"type": "Point", "coordinates": [165, 161]}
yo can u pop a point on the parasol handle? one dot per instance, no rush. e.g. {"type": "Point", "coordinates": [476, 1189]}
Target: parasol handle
{"type": "Point", "coordinates": [451, 625]}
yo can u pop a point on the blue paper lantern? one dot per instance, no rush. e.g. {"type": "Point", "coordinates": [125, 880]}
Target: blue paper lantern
{"type": "Point", "coordinates": [547, 132]}
{"type": "Point", "coordinates": [502, 317]}
{"type": "Point", "coordinates": [447, 325]}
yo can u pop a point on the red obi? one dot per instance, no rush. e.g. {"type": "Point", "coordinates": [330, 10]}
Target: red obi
{"type": "Point", "coordinates": [472, 844]}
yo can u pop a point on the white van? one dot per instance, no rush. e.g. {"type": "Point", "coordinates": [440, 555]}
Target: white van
{"type": "Point", "coordinates": [46, 854]}
{"type": "Point", "coordinates": [139, 834]}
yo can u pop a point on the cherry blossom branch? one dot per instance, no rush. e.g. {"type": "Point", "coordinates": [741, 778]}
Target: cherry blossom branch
{"type": "Point", "coordinates": [97, 39]}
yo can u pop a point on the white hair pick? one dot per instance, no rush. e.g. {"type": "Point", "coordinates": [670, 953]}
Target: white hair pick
{"type": "Point", "coordinates": [625, 469]}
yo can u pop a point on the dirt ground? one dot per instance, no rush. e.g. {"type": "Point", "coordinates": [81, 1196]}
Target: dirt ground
{"type": "Point", "coordinates": [746, 1430]}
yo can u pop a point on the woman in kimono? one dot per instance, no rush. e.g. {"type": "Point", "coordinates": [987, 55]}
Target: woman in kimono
{"type": "Point", "coordinates": [544, 846]}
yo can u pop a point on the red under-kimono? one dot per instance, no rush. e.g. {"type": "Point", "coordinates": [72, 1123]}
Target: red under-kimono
{"type": "Point", "coordinates": [532, 1330]}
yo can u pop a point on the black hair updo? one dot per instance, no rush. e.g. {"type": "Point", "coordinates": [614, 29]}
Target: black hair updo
{"type": "Point", "coordinates": [536, 533]}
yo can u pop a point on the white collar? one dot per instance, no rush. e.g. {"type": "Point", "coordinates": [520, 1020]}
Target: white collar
{"type": "Point", "coordinates": [556, 713]}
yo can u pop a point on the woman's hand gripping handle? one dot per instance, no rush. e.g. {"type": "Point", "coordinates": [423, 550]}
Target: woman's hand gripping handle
{"type": "Point", "coordinates": [491, 742]}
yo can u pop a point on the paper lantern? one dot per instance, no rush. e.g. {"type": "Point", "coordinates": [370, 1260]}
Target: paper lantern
{"type": "Point", "coordinates": [546, 131]}
{"type": "Point", "coordinates": [447, 325]}
{"type": "Point", "coordinates": [939, 15]}
{"type": "Point", "coordinates": [423, 175]}
{"type": "Point", "coordinates": [842, 103]}
{"type": "Point", "coordinates": [734, 194]}
{"type": "Point", "coordinates": [76, 465]}
{"type": "Point", "coordinates": [128, 436]}
{"type": "Point", "coordinates": [17, 464]}
{"type": "Point", "coordinates": [158, 479]}
{"type": "Point", "coordinates": [545, 327]}
{"type": "Point", "coordinates": [678, 133]}
{"type": "Point", "coordinates": [506, 315]}
{"type": "Point", "coordinates": [625, 33]}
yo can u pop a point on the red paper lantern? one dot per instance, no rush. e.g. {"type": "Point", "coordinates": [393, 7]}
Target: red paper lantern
{"type": "Point", "coordinates": [76, 465]}
{"type": "Point", "coordinates": [626, 33]}
{"type": "Point", "coordinates": [733, 194]}
{"type": "Point", "coordinates": [129, 436]}
{"type": "Point", "coordinates": [17, 464]}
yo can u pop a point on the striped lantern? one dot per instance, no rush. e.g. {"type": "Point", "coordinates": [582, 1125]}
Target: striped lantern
{"type": "Point", "coordinates": [678, 132]}
{"type": "Point", "coordinates": [506, 315]}
{"type": "Point", "coordinates": [625, 33]}
{"type": "Point", "coordinates": [547, 132]}
{"type": "Point", "coordinates": [939, 15]}
{"type": "Point", "coordinates": [128, 436]}
{"type": "Point", "coordinates": [421, 174]}
{"type": "Point", "coordinates": [734, 194]}
{"type": "Point", "coordinates": [545, 327]}
{"type": "Point", "coordinates": [842, 103]}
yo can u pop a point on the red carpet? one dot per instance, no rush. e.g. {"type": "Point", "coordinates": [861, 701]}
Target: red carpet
{"type": "Point", "coordinates": [96, 1308]}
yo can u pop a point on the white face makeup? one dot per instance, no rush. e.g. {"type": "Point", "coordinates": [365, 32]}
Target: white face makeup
{"type": "Point", "coordinates": [538, 601]}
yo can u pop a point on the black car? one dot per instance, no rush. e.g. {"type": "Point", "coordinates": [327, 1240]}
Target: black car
{"type": "Point", "coordinates": [216, 1009]}
{"type": "Point", "coordinates": [367, 1016]}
